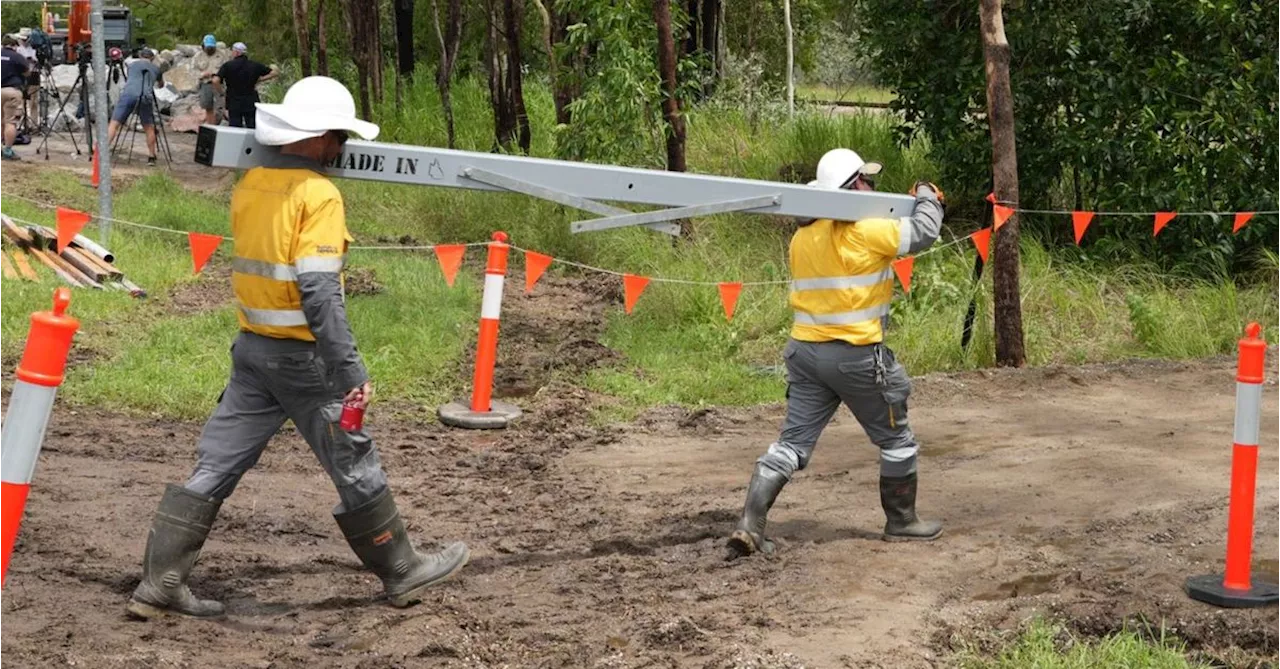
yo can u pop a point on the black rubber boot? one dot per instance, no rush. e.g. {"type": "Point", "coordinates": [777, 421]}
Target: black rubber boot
{"type": "Point", "coordinates": [749, 538]}
{"type": "Point", "coordinates": [377, 535]}
{"type": "Point", "coordinates": [177, 534]}
{"type": "Point", "coordinates": [898, 496]}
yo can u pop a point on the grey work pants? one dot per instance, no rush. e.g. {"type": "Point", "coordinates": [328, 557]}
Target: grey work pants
{"type": "Point", "coordinates": [273, 380]}
{"type": "Point", "coordinates": [867, 379]}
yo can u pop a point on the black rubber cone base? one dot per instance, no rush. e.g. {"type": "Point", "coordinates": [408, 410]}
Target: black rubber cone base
{"type": "Point", "coordinates": [459, 414]}
{"type": "Point", "coordinates": [1208, 589]}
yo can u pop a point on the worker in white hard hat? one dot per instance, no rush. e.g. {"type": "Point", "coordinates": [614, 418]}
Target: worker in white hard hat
{"type": "Point", "coordinates": [294, 359]}
{"type": "Point", "coordinates": [841, 286]}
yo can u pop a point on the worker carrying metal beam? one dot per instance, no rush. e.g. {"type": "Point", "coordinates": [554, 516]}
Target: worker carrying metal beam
{"type": "Point", "coordinates": [841, 286]}
{"type": "Point", "coordinates": [295, 359]}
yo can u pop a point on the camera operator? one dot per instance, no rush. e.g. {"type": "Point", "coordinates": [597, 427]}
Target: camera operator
{"type": "Point", "coordinates": [13, 79]}
{"type": "Point", "coordinates": [26, 50]}
{"type": "Point", "coordinates": [136, 95]}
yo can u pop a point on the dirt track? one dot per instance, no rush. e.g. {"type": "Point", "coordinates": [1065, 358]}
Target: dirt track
{"type": "Point", "coordinates": [1088, 492]}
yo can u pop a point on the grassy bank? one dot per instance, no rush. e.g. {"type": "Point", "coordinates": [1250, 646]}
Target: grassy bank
{"type": "Point", "coordinates": [1044, 645]}
{"type": "Point", "coordinates": [677, 346]}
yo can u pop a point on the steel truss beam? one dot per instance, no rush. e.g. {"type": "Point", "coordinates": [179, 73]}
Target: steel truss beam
{"type": "Point", "coordinates": [578, 185]}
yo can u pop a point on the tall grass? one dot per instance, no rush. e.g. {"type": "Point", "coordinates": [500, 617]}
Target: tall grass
{"type": "Point", "coordinates": [677, 347]}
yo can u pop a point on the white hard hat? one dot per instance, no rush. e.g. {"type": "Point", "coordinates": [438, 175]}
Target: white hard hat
{"type": "Point", "coordinates": [838, 166]}
{"type": "Point", "coordinates": [311, 107]}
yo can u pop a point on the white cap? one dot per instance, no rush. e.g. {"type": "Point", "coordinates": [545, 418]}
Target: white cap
{"type": "Point", "coordinates": [311, 107]}
{"type": "Point", "coordinates": [838, 166]}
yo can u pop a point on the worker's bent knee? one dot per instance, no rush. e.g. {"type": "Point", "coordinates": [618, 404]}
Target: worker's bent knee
{"type": "Point", "coordinates": [897, 462]}
{"type": "Point", "coordinates": [786, 458]}
{"type": "Point", "coordinates": [218, 485]}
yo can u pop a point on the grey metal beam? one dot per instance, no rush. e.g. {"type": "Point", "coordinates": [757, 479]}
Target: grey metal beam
{"type": "Point", "coordinates": [534, 190]}
{"type": "Point", "coordinates": [428, 166]}
{"type": "Point", "coordinates": [749, 205]}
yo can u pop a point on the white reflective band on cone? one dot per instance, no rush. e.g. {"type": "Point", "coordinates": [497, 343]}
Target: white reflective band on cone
{"type": "Point", "coordinates": [1248, 410]}
{"type": "Point", "coordinates": [29, 408]}
{"type": "Point", "coordinates": [491, 306]}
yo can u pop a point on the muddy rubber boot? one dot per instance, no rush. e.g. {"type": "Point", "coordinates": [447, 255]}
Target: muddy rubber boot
{"type": "Point", "coordinates": [377, 535]}
{"type": "Point", "coordinates": [177, 534]}
{"type": "Point", "coordinates": [898, 496]}
{"type": "Point", "coordinates": [749, 538]}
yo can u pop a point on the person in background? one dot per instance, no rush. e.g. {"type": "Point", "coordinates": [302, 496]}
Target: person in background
{"type": "Point", "coordinates": [137, 95]}
{"type": "Point", "coordinates": [33, 82]}
{"type": "Point", "coordinates": [207, 63]}
{"type": "Point", "coordinates": [240, 76]}
{"type": "Point", "coordinates": [13, 80]}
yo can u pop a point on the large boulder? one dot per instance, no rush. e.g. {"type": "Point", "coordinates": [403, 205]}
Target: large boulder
{"type": "Point", "coordinates": [187, 50]}
{"type": "Point", "coordinates": [64, 76]}
{"type": "Point", "coordinates": [183, 77]}
{"type": "Point", "coordinates": [190, 121]}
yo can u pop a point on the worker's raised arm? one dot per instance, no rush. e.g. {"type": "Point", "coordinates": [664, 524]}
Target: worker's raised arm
{"type": "Point", "coordinates": [921, 229]}
{"type": "Point", "coordinates": [318, 263]}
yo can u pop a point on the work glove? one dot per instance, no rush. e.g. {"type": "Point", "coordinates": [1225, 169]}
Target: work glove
{"type": "Point", "coordinates": [942, 198]}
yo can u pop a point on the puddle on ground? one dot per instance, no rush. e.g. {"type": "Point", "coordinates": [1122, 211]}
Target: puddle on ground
{"type": "Point", "coordinates": [1025, 586]}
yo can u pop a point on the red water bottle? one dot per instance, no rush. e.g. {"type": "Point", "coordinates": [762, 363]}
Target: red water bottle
{"type": "Point", "coordinates": [353, 414]}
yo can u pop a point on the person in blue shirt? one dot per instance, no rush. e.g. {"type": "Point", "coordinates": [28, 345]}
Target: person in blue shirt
{"type": "Point", "coordinates": [14, 75]}
{"type": "Point", "coordinates": [142, 76]}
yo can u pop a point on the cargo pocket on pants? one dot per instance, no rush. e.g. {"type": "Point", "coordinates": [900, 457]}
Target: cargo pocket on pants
{"type": "Point", "coordinates": [351, 454]}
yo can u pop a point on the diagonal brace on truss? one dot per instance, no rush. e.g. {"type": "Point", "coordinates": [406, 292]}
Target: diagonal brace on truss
{"type": "Point", "coordinates": [559, 197]}
{"type": "Point", "coordinates": [652, 217]}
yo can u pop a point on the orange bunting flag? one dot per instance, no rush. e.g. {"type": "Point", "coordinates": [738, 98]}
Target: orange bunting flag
{"type": "Point", "coordinates": [450, 257]}
{"type": "Point", "coordinates": [202, 248]}
{"type": "Point", "coordinates": [729, 292]}
{"type": "Point", "coordinates": [1162, 219]}
{"type": "Point", "coordinates": [534, 265]}
{"type": "Point", "coordinates": [1242, 218]}
{"type": "Point", "coordinates": [1081, 221]}
{"type": "Point", "coordinates": [70, 222]}
{"type": "Point", "coordinates": [902, 267]}
{"type": "Point", "coordinates": [991, 197]}
{"type": "Point", "coordinates": [633, 285]}
{"type": "Point", "coordinates": [94, 179]}
{"type": "Point", "coordinates": [982, 240]}
{"type": "Point", "coordinates": [1002, 214]}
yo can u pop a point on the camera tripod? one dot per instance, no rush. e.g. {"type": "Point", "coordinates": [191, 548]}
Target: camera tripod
{"type": "Point", "coordinates": [79, 90]}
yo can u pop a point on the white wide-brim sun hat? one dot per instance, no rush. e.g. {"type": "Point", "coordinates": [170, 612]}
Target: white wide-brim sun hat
{"type": "Point", "coordinates": [311, 107]}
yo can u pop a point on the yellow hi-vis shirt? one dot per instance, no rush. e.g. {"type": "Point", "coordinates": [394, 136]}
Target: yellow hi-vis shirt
{"type": "Point", "coordinates": [284, 222]}
{"type": "Point", "coordinates": [841, 278]}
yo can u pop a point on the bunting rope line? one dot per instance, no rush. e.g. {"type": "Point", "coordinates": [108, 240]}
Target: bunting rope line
{"type": "Point", "coordinates": [429, 247]}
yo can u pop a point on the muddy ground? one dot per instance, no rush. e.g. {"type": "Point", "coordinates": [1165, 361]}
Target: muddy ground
{"type": "Point", "coordinates": [1088, 494]}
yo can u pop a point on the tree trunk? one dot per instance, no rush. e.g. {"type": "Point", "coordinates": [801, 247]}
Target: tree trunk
{"type": "Point", "coordinates": [553, 64]}
{"type": "Point", "coordinates": [1010, 351]}
{"type": "Point", "coordinates": [322, 40]}
{"type": "Point", "coordinates": [791, 60]}
{"type": "Point", "coordinates": [705, 19]}
{"type": "Point", "coordinates": [404, 37]}
{"type": "Point", "coordinates": [359, 14]}
{"type": "Point", "coordinates": [514, 15]}
{"type": "Point", "coordinates": [300, 29]}
{"type": "Point", "coordinates": [670, 102]}
{"type": "Point", "coordinates": [449, 38]}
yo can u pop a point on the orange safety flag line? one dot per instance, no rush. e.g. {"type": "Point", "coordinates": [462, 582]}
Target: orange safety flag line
{"type": "Point", "coordinates": [633, 285]}
{"type": "Point", "coordinates": [534, 265]}
{"type": "Point", "coordinates": [1242, 218]}
{"type": "Point", "coordinates": [903, 267]}
{"type": "Point", "coordinates": [982, 240]}
{"type": "Point", "coordinates": [450, 257]}
{"type": "Point", "coordinates": [202, 248]}
{"type": "Point", "coordinates": [1162, 219]}
{"type": "Point", "coordinates": [729, 292]}
{"type": "Point", "coordinates": [991, 197]}
{"type": "Point", "coordinates": [94, 179]}
{"type": "Point", "coordinates": [70, 223]}
{"type": "Point", "coordinates": [1001, 214]}
{"type": "Point", "coordinates": [1081, 220]}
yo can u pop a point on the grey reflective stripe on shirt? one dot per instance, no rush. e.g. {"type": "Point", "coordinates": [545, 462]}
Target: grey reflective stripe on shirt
{"type": "Point", "coordinates": [270, 270]}
{"type": "Point", "coordinates": [842, 318]}
{"type": "Point", "coordinates": [274, 317]}
{"type": "Point", "coordinates": [835, 282]}
{"type": "Point", "coordinates": [905, 228]}
{"type": "Point", "coordinates": [330, 264]}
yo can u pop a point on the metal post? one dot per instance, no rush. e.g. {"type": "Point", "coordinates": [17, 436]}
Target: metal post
{"type": "Point", "coordinates": [101, 118]}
